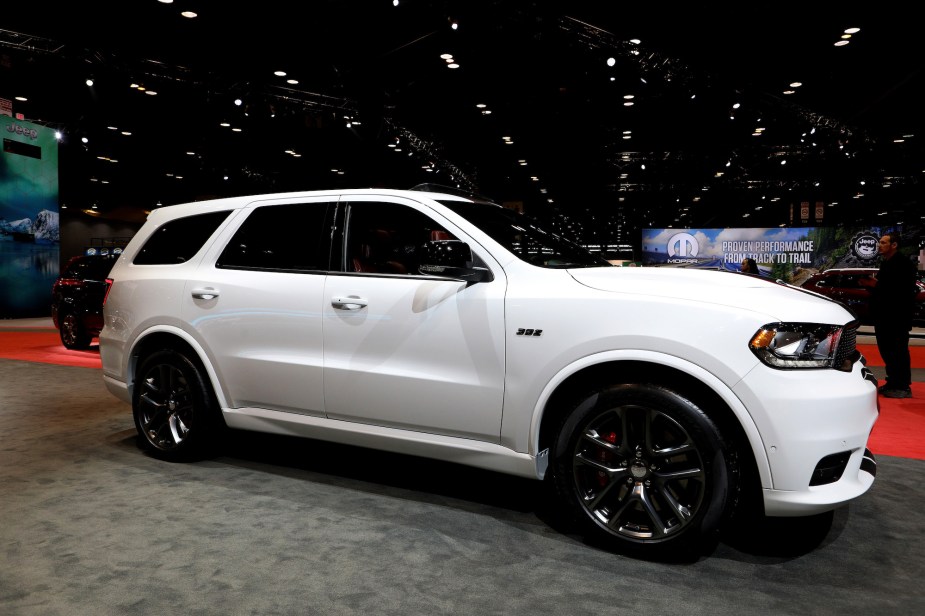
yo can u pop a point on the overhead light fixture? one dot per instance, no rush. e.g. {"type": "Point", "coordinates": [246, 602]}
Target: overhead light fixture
{"type": "Point", "coordinates": [90, 82]}
{"type": "Point", "coordinates": [189, 14]}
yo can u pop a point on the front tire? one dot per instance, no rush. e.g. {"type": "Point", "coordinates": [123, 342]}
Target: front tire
{"type": "Point", "coordinates": [643, 470]}
{"type": "Point", "coordinates": [174, 408]}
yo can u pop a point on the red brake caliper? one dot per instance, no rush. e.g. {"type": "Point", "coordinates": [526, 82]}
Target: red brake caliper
{"type": "Point", "coordinates": [605, 457]}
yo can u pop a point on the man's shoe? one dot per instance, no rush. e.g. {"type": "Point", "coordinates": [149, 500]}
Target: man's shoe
{"type": "Point", "coordinates": [896, 393]}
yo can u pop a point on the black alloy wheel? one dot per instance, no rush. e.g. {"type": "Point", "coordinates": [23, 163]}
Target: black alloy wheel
{"type": "Point", "coordinates": [174, 409]}
{"type": "Point", "coordinates": [73, 335]}
{"type": "Point", "coordinates": [643, 469]}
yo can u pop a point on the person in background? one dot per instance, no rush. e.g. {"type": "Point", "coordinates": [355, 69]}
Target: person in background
{"type": "Point", "coordinates": [891, 302]}
{"type": "Point", "coordinates": [749, 266]}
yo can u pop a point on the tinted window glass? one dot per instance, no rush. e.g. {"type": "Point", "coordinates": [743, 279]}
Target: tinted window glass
{"type": "Point", "coordinates": [384, 238]}
{"type": "Point", "coordinates": [525, 238]}
{"type": "Point", "coordinates": [295, 236]}
{"type": "Point", "coordinates": [179, 240]}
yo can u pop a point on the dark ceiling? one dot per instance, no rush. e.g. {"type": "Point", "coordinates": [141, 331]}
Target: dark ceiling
{"type": "Point", "coordinates": [691, 159]}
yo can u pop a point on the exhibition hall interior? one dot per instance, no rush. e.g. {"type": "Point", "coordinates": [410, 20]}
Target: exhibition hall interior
{"type": "Point", "coordinates": [783, 131]}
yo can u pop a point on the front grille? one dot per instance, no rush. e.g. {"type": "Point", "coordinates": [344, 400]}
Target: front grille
{"type": "Point", "coordinates": [847, 352]}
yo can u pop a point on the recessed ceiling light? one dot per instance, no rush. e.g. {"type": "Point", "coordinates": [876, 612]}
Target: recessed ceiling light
{"type": "Point", "coordinates": [280, 73]}
{"type": "Point", "coordinates": [452, 65]}
{"type": "Point", "coordinates": [21, 98]}
{"type": "Point", "coordinates": [188, 14]}
{"type": "Point", "coordinates": [841, 43]}
{"type": "Point", "coordinates": [292, 81]}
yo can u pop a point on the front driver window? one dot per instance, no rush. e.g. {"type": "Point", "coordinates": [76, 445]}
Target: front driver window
{"type": "Point", "coordinates": [384, 238]}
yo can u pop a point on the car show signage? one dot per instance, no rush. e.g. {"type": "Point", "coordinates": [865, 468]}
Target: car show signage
{"type": "Point", "coordinates": [788, 254]}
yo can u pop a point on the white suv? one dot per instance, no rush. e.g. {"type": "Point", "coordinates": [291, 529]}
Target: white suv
{"type": "Point", "coordinates": [654, 401]}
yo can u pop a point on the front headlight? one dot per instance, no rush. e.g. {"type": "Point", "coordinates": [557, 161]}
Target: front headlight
{"type": "Point", "coordinates": [799, 345]}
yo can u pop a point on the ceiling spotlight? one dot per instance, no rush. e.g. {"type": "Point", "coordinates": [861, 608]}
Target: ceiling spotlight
{"type": "Point", "coordinates": [238, 102]}
{"type": "Point", "coordinates": [611, 61]}
{"type": "Point", "coordinates": [90, 82]}
{"type": "Point", "coordinates": [280, 73]}
{"type": "Point", "coordinates": [189, 14]}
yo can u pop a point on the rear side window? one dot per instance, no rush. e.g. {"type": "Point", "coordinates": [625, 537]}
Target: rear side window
{"type": "Point", "coordinates": [179, 240]}
{"type": "Point", "coordinates": [291, 237]}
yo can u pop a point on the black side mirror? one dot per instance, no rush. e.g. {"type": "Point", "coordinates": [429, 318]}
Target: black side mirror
{"type": "Point", "coordinates": [450, 259]}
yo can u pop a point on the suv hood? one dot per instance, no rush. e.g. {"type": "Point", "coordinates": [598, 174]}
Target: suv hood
{"type": "Point", "coordinates": [778, 300]}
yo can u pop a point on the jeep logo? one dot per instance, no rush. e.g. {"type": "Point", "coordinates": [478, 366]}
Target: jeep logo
{"type": "Point", "coordinates": [865, 246]}
{"type": "Point", "coordinates": [19, 130]}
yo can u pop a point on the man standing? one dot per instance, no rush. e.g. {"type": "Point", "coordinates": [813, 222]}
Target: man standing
{"type": "Point", "coordinates": [892, 302]}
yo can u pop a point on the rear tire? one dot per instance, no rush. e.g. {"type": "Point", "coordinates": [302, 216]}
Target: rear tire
{"type": "Point", "coordinates": [72, 332]}
{"type": "Point", "coordinates": [642, 470]}
{"type": "Point", "coordinates": [174, 408]}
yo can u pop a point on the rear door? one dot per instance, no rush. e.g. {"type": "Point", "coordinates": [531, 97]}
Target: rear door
{"type": "Point", "coordinates": [257, 306]}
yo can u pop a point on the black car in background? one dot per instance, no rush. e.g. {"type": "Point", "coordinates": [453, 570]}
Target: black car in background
{"type": "Point", "coordinates": [842, 284]}
{"type": "Point", "coordinates": [77, 299]}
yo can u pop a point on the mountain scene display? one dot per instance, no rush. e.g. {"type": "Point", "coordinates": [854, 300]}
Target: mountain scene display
{"type": "Point", "coordinates": [44, 230]}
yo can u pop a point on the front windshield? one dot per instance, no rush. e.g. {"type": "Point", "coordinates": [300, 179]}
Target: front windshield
{"type": "Point", "coordinates": [522, 236]}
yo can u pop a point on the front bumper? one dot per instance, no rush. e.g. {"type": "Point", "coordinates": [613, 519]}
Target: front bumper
{"type": "Point", "coordinates": [814, 425]}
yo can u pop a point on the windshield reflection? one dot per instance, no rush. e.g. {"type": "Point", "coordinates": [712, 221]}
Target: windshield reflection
{"type": "Point", "coordinates": [521, 235]}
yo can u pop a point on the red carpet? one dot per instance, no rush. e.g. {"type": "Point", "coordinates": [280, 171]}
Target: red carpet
{"type": "Point", "coordinates": [44, 346]}
{"type": "Point", "coordinates": [900, 430]}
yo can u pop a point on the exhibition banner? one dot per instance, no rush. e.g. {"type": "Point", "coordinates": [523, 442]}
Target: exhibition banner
{"type": "Point", "coordinates": [29, 242]}
{"type": "Point", "coordinates": [789, 254]}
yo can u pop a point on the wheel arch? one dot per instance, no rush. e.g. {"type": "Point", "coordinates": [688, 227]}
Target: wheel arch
{"type": "Point", "coordinates": [708, 392]}
{"type": "Point", "coordinates": [178, 340]}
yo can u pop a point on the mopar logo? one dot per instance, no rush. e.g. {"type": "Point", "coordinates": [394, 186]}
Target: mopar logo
{"type": "Point", "coordinates": [683, 245]}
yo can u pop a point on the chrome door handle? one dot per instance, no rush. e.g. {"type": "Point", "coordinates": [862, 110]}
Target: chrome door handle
{"type": "Point", "coordinates": [348, 303]}
{"type": "Point", "coordinates": [206, 293]}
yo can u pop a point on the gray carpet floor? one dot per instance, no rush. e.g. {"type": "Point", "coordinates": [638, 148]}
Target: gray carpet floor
{"type": "Point", "coordinates": [90, 525]}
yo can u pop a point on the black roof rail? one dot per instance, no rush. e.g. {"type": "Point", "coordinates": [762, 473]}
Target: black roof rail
{"type": "Point", "coordinates": [450, 190]}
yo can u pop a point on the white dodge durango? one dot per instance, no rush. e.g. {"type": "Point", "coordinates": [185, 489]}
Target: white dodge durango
{"type": "Point", "coordinates": [655, 402]}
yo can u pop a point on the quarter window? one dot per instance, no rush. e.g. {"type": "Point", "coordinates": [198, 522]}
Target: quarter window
{"type": "Point", "coordinates": [179, 240]}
